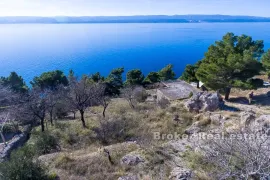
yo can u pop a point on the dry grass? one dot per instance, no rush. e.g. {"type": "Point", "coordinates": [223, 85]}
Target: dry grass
{"type": "Point", "coordinates": [82, 156]}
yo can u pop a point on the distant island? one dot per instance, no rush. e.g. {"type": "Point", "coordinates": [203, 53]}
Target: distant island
{"type": "Point", "coordinates": [132, 19]}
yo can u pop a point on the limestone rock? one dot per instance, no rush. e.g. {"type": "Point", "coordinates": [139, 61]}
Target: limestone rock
{"type": "Point", "coordinates": [180, 174]}
{"type": "Point", "coordinates": [132, 160]}
{"type": "Point", "coordinates": [203, 102]}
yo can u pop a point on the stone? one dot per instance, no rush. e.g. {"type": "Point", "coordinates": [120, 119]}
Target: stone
{"type": "Point", "coordinates": [132, 160]}
{"type": "Point", "coordinates": [179, 173]}
{"type": "Point", "coordinates": [247, 118]}
{"type": "Point", "coordinates": [203, 102]}
{"type": "Point", "coordinates": [15, 143]}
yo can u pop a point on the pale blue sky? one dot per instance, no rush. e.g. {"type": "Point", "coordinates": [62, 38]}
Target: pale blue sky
{"type": "Point", "coordinates": [132, 7]}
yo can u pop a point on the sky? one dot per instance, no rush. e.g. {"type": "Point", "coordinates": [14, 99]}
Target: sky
{"type": "Point", "coordinates": [132, 7]}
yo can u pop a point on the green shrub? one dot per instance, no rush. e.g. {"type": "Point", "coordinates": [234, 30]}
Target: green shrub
{"type": "Point", "coordinates": [22, 166]}
{"type": "Point", "coordinates": [46, 143]}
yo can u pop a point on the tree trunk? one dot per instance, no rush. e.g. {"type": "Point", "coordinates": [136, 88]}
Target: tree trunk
{"type": "Point", "coordinates": [74, 115]}
{"type": "Point", "coordinates": [104, 111]}
{"type": "Point", "coordinates": [198, 84]}
{"type": "Point", "coordinates": [227, 93]}
{"type": "Point", "coordinates": [42, 125]}
{"type": "Point", "coordinates": [82, 118]}
{"type": "Point", "coordinates": [51, 118]}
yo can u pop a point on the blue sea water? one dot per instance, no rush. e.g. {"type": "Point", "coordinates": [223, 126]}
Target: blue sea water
{"type": "Point", "coordinates": [31, 49]}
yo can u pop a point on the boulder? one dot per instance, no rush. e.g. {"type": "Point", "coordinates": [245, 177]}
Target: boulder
{"type": "Point", "coordinates": [131, 160]}
{"type": "Point", "coordinates": [247, 118]}
{"type": "Point", "coordinates": [180, 174]}
{"type": "Point", "coordinates": [204, 101]}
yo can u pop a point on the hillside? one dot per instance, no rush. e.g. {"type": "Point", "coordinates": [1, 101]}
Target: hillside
{"type": "Point", "coordinates": [134, 19]}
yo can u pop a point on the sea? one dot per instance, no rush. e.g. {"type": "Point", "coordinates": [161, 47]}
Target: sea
{"type": "Point", "coordinates": [31, 49]}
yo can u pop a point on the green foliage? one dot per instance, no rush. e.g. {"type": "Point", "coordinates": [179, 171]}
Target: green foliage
{"type": "Point", "coordinates": [114, 81]}
{"type": "Point", "coordinates": [71, 76]}
{"type": "Point", "coordinates": [255, 83]}
{"type": "Point", "coordinates": [45, 143]}
{"type": "Point", "coordinates": [167, 73]}
{"type": "Point", "coordinates": [50, 80]}
{"type": "Point", "coordinates": [266, 61]}
{"type": "Point", "coordinates": [22, 166]}
{"type": "Point", "coordinates": [97, 77]}
{"type": "Point", "coordinates": [15, 82]}
{"type": "Point", "coordinates": [231, 62]}
{"type": "Point", "coordinates": [152, 77]}
{"type": "Point", "coordinates": [134, 77]}
{"type": "Point", "coordinates": [189, 75]}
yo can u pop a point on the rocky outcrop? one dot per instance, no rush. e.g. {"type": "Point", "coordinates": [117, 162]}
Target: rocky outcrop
{"type": "Point", "coordinates": [203, 102]}
{"type": "Point", "coordinates": [132, 160]}
{"type": "Point", "coordinates": [16, 142]}
{"type": "Point", "coordinates": [179, 173]}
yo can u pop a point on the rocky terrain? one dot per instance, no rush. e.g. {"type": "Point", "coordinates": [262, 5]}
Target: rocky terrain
{"type": "Point", "coordinates": [139, 155]}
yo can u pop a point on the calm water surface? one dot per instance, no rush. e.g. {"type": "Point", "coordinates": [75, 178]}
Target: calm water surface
{"type": "Point", "coordinates": [31, 49]}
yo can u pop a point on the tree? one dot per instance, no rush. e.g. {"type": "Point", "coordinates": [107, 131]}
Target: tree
{"type": "Point", "coordinates": [35, 105]}
{"type": "Point", "coordinates": [15, 82]}
{"type": "Point", "coordinates": [135, 77]}
{"type": "Point", "coordinates": [83, 94]}
{"type": "Point", "coordinates": [97, 77]}
{"type": "Point", "coordinates": [152, 77]}
{"type": "Point", "coordinates": [104, 100]}
{"type": "Point", "coordinates": [230, 62]}
{"type": "Point", "coordinates": [167, 73]}
{"type": "Point", "coordinates": [128, 94]}
{"type": "Point", "coordinates": [189, 75]}
{"type": "Point", "coordinates": [133, 94]}
{"type": "Point", "coordinates": [50, 80]}
{"type": "Point", "coordinates": [114, 82]}
{"type": "Point", "coordinates": [53, 99]}
{"type": "Point", "coordinates": [266, 62]}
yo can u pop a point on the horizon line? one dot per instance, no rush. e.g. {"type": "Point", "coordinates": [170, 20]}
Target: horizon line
{"type": "Point", "coordinates": [134, 15]}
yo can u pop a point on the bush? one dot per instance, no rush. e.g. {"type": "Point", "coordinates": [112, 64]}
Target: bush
{"type": "Point", "coordinates": [22, 166]}
{"type": "Point", "coordinates": [46, 143]}
{"type": "Point", "coordinates": [114, 130]}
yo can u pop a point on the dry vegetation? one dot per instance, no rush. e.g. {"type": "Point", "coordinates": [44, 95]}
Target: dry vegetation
{"type": "Point", "coordinates": [124, 130]}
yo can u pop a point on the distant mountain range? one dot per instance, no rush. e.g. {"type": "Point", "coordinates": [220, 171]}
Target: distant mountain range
{"type": "Point", "coordinates": [133, 19]}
